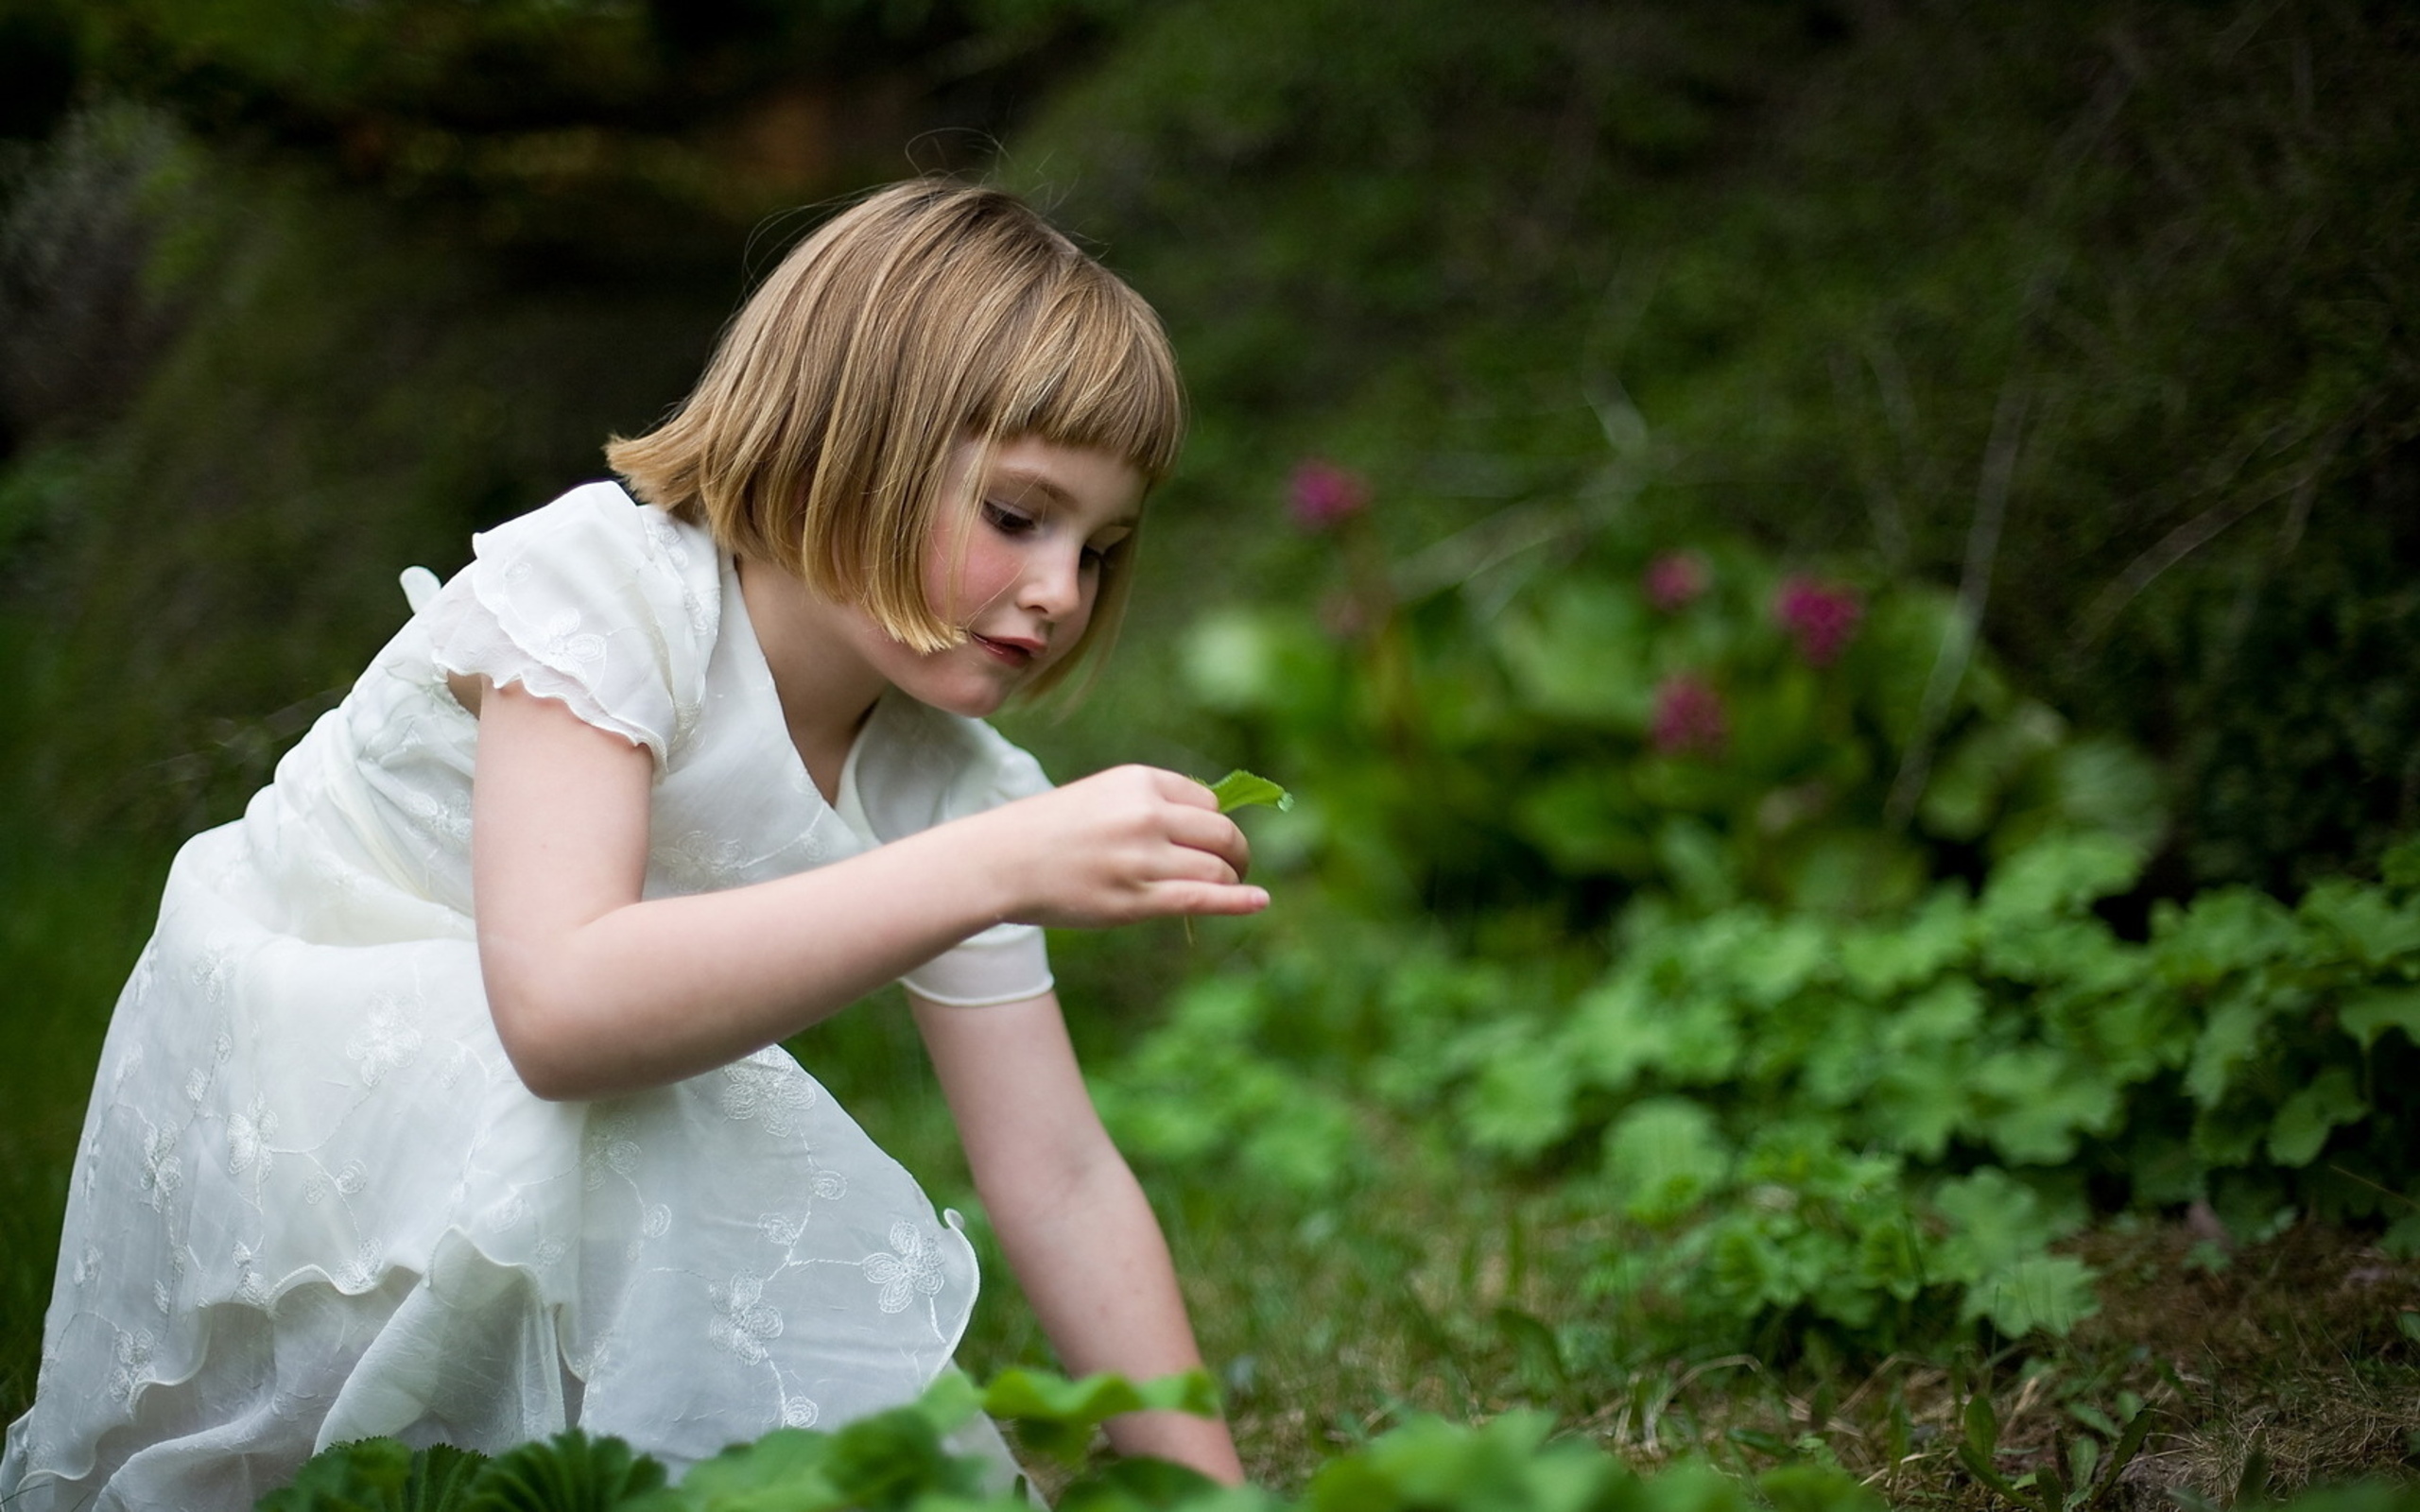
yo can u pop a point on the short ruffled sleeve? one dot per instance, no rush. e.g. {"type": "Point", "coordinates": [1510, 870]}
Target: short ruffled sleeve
{"type": "Point", "coordinates": [919, 768]}
{"type": "Point", "coordinates": [596, 601]}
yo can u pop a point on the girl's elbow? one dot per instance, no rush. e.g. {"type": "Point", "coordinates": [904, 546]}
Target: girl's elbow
{"type": "Point", "coordinates": [531, 1032]}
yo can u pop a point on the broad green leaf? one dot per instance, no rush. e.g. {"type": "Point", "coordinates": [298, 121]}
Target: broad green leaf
{"type": "Point", "coordinates": [1521, 1102]}
{"type": "Point", "coordinates": [2224, 931]}
{"type": "Point", "coordinates": [1917, 1105]}
{"type": "Point", "coordinates": [2373, 927]}
{"type": "Point", "coordinates": [1886, 959]}
{"type": "Point", "coordinates": [780, 1472]}
{"type": "Point", "coordinates": [894, 1459]}
{"type": "Point", "coordinates": [569, 1472]}
{"type": "Point", "coordinates": [2105, 784]}
{"type": "Point", "coordinates": [365, 1476]}
{"type": "Point", "coordinates": [2367, 1015]}
{"type": "Point", "coordinates": [1996, 1223]}
{"type": "Point", "coordinates": [2039, 1100]}
{"type": "Point", "coordinates": [2059, 875]}
{"type": "Point", "coordinates": [2052, 1293]}
{"type": "Point", "coordinates": [1581, 657]}
{"type": "Point", "coordinates": [1663, 1156]}
{"type": "Point", "coordinates": [2237, 1030]}
{"type": "Point", "coordinates": [442, 1478]}
{"type": "Point", "coordinates": [2302, 1124]}
{"type": "Point", "coordinates": [1241, 789]}
{"type": "Point", "coordinates": [1054, 1412]}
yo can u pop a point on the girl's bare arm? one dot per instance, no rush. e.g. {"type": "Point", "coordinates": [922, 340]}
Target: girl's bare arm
{"type": "Point", "coordinates": [1069, 1215]}
{"type": "Point", "coordinates": [595, 992]}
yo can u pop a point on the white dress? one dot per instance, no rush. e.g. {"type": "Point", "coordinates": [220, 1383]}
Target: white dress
{"type": "Point", "coordinates": [312, 1201]}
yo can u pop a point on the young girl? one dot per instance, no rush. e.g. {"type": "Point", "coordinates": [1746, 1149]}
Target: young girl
{"type": "Point", "coordinates": [446, 1102]}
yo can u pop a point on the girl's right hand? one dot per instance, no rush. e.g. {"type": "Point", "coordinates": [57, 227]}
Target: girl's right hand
{"type": "Point", "coordinates": [1127, 844]}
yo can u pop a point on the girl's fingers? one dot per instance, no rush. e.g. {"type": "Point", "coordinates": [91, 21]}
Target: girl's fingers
{"type": "Point", "coordinates": [1208, 898]}
{"type": "Point", "coordinates": [1213, 831]}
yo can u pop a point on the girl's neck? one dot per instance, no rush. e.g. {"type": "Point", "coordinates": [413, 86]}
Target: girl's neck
{"type": "Point", "coordinates": [826, 690]}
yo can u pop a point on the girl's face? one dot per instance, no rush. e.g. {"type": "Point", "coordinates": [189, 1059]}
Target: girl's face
{"type": "Point", "coordinates": [1021, 576]}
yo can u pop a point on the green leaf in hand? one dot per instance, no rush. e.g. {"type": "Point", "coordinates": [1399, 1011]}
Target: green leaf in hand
{"type": "Point", "coordinates": [1239, 788]}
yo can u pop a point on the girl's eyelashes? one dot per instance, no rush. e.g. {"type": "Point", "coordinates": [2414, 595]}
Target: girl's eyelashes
{"type": "Point", "coordinates": [1007, 519]}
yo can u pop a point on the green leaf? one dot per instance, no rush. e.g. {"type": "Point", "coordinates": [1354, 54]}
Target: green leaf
{"type": "Point", "coordinates": [784, 1471]}
{"type": "Point", "coordinates": [2367, 1015]}
{"type": "Point", "coordinates": [2304, 1122]}
{"type": "Point", "coordinates": [365, 1476]}
{"type": "Point", "coordinates": [2052, 1292]}
{"type": "Point", "coordinates": [442, 1478]}
{"type": "Point", "coordinates": [569, 1472]}
{"type": "Point", "coordinates": [2059, 875]}
{"type": "Point", "coordinates": [1996, 1224]}
{"type": "Point", "coordinates": [1241, 789]}
{"type": "Point", "coordinates": [1056, 1416]}
{"type": "Point", "coordinates": [2375, 928]}
{"type": "Point", "coordinates": [1663, 1156]}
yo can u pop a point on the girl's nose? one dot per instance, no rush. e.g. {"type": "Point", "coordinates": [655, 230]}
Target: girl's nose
{"type": "Point", "coordinates": [1054, 584]}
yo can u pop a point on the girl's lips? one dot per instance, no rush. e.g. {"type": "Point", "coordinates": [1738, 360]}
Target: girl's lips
{"type": "Point", "coordinates": [1009, 652]}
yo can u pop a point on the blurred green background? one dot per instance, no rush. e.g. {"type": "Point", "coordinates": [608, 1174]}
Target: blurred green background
{"type": "Point", "coordinates": [1672, 482]}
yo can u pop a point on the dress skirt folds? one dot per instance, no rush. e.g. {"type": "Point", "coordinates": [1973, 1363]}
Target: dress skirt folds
{"type": "Point", "coordinates": [313, 1202]}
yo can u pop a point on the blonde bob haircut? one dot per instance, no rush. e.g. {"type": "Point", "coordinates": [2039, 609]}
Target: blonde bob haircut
{"type": "Point", "coordinates": [928, 315]}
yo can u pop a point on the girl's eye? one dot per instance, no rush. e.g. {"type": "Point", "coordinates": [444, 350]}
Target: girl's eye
{"type": "Point", "coordinates": [1006, 521]}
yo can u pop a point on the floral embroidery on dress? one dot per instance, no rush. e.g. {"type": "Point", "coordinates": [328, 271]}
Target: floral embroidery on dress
{"type": "Point", "coordinates": [566, 641]}
{"type": "Point", "coordinates": [449, 816]}
{"type": "Point", "coordinates": [250, 1287]}
{"type": "Point", "coordinates": [768, 1087]}
{"type": "Point", "coordinates": [700, 861]}
{"type": "Point", "coordinates": [799, 1412]}
{"type": "Point", "coordinates": [162, 1170]}
{"type": "Point", "coordinates": [605, 1149]}
{"type": "Point", "coordinates": [782, 1228]}
{"type": "Point", "coordinates": [664, 537]}
{"type": "Point", "coordinates": [360, 1270]}
{"type": "Point", "coordinates": [916, 1267]}
{"type": "Point", "coordinates": [387, 1043]}
{"type": "Point", "coordinates": [213, 970]}
{"type": "Point", "coordinates": [134, 1356]}
{"type": "Point", "coordinates": [743, 1318]}
{"type": "Point", "coordinates": [248, 1136]}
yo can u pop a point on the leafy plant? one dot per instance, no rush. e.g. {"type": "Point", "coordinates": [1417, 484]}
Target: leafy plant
{"type": "Point", "coordinates": [894, 1462]}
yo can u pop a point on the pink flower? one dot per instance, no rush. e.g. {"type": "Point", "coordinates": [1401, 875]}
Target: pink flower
{"type": "Point", "coordinates": [1821, 617]}
{"type": "Point", "coordinates": [1675, 581]}
{"type": "Point", "coordinates": [1323, 494]}
{"type": "Point", "coordinates": [1688, 717]}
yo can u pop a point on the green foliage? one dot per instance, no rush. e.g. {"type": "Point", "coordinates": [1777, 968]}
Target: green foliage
{"type": "Point", "coordinates": [1722, 746]}
{"type": "Point", "coordinates": [1882, 1125]}
{"type": "Point", "coordinates": [383, 1475]}
{"type": "Point", "coordinates": [895, 1462]}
